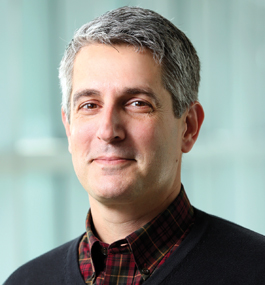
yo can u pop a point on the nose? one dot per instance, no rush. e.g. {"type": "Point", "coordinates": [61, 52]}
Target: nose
{"type": "Point", "coordinates": [111, 127]}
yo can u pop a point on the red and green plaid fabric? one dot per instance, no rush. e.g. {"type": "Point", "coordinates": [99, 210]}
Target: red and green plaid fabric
{"type": "Point", "coordinates": [133, 259]}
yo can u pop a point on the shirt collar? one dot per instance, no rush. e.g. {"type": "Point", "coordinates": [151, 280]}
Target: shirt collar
{"type": "Point", "coordinates": [150, 243]}
{"type": "Point", "coordinates": [154, 240]}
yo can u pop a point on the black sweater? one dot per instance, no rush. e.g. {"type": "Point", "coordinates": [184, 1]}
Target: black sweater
{"type": "Point", "coordinates": [214, 252]}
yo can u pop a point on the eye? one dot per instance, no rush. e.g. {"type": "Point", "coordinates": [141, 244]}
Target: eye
{"type": "Point", "coordinates": [140, 106]}
{"type": "Point", "coordinates": [89, 106]}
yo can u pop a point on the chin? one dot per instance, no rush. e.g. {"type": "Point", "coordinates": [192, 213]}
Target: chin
{"type": "Point", "coordinates": [112, 192]}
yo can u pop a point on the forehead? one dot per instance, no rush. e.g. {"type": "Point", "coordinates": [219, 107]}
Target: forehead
{"type": "Point", "coordinates": [115, 65]}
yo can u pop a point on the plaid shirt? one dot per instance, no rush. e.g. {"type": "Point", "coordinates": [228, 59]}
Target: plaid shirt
{"type": "Point", "coordinates": [133, 259]}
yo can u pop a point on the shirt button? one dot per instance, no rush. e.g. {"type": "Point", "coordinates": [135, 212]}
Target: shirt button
{"type": "Point", "coordinates": [145, 272]}
{"type": "Point", "coordinates": [104, 251]}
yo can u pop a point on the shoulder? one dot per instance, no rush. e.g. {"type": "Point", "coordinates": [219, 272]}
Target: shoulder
{"type": "Point", "coordinates": [228, 251]}
{"type": "Point", "coordinates": [48, 268]}
{"type": "Point", "coordinates": [215, 251]}
{"type": "Point", "coordinates": [230, 234]}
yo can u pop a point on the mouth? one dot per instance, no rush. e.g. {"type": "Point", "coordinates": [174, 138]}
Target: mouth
{"type": "Point", "coordinates": [112, 160]}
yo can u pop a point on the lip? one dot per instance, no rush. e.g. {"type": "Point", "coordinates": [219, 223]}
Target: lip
{"type": "Point", "coordinates": [112, 160]}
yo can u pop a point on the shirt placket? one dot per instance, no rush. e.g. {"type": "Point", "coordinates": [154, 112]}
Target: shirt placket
{"type": "Point", "coordinates": [120, 265]}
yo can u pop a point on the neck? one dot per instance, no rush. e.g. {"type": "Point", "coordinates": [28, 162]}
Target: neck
{"type": "Point", "coordinates": [116, 221]}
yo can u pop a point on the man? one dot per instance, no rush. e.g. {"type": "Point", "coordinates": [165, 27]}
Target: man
{"type": "Point", "coordinates": [130, 109]}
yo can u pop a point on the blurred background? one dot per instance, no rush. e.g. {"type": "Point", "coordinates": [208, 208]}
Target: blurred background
{"type": "Point", "coordinates": [42, 204]}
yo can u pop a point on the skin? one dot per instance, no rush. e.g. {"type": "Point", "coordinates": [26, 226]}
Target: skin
{"type": "Point", "coordinates": [125, 141]}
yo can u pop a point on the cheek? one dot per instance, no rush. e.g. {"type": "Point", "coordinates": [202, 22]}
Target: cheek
{"type": "Point", "coordinates": [148, 143]}
{"type": "Point", "coordinates": [165, 140]}
{"type": "Point", "coordinates": [81, 136]}
{"type": "Point", "coordinates": [146, 135]}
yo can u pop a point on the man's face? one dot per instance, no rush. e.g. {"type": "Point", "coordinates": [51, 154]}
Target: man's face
{"type": "Point", "coordinates": [123, 136]}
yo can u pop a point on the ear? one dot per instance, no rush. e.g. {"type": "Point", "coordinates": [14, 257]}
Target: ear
{"type": "Point", "coordinates": [192, 120]}
{"type": "Point", "coordinates": [67, 129]}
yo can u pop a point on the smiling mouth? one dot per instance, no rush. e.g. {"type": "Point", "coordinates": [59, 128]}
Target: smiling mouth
{"type": "Point", "coordinates": [112, 160]}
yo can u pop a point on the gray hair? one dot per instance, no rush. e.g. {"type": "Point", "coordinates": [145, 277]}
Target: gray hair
{"type": "Point", "coordinates": [141, 28]}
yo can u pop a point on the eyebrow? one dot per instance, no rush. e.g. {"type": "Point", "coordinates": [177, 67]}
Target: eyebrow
{"type": "Point", "coordinates": [127, 91]}
{"type": "Point", "coordinates": [147, 91]}
{"type": "Point", "coordinates": [84, 93]}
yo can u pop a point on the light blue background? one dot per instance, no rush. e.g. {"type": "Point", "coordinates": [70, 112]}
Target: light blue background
{"type": "Point", "coordinates": [42, 204]}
